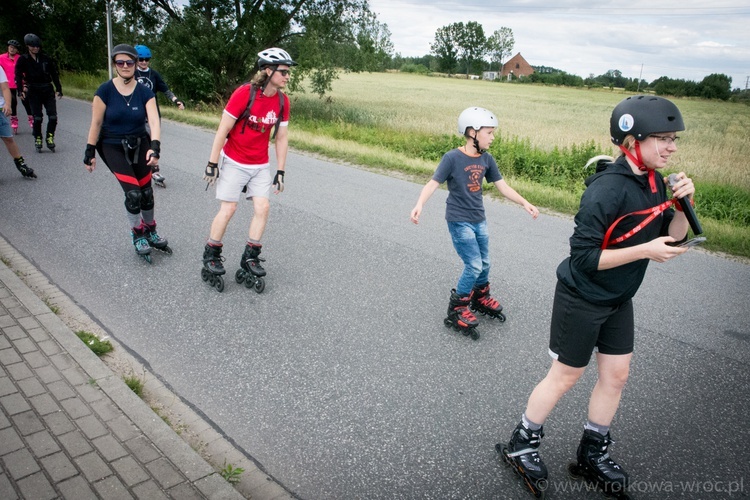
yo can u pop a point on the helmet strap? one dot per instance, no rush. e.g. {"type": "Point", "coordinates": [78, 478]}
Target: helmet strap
{"type": "Point", "coordinates": [476, 142]}
{"type": "Point", "coordinates": [638, 161]}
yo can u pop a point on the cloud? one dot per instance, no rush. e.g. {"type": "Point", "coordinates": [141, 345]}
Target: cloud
{"type": "Point", "coordinates": [686, 40]}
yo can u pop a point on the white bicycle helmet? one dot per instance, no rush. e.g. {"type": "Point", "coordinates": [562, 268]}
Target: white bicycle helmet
{"type": "Point", "coordinates": [476, 118]}
{"type": "Point", "coordinates": [273, 57]}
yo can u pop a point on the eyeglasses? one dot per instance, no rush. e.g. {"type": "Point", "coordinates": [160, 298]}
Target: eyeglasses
{"type": "Point", "coordinates": [125, 62]}
{"type": "Point", "coordinates": [284, 72]}
{"type": "Point", "coordinates": [144, 59]}
{"type": "Point", "coordinates": [665, 138]}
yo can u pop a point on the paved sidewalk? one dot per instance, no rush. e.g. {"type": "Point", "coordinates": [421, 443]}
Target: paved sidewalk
{"type": "Point", "coordinates": [70, 428]}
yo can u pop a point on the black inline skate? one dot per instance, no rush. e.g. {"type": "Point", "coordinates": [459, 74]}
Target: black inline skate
{"type": "Point", "coordinates": [51, 141]}
{"type": "Point", "coordinates": [595, 466]}
{"type": "Point", "coordinates": [140, 242]}
{"type": "Point", "coordinates": [38, 143]}
{"type": "Point", "coordinates": [522, 454]}
{"type": "Point", "coordinates": [154, 240]}
{"type": "Point", "coordinates": [250, 271]}
{"type": "Point", "coordinates": [213, 267]}
{"type": "Point", "coordinates": [460, 317]}
{"type": "Point", "coordinates": [483, 302]}
{"type": "Point", "coordinates": [25, 170]}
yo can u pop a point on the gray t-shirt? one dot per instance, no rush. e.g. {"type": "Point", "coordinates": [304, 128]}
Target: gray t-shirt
{"type": "Point", "coordinates": [465, 174]}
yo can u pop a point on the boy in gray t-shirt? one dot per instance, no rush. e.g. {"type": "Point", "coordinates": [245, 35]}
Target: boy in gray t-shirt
{"type": "Point", "coordinates": [465, 169]}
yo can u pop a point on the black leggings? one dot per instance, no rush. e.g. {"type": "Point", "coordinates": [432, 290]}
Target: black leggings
{"type": "Point", "coordinates": [43, 97]}
{"type": "Point", "coordinates": [14, 104]}
{"type": "Point", "coordinates": [134, 178]}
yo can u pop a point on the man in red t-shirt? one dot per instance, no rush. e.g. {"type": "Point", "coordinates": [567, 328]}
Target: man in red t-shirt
{"type": "Point", "coordinates": [241, 147]}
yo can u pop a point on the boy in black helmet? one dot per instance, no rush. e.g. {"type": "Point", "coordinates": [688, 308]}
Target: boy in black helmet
{"type": "Point", "coordinates": [625, 220]}
{"type": "Point", "coordinates": [35, 75]}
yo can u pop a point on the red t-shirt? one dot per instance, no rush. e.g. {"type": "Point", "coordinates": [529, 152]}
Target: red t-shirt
{"type": "Point", "coordinates": [251, 147]}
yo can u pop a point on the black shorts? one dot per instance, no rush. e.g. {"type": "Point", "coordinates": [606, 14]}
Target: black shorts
{"type": "Point", "coordinates": [579, 327]}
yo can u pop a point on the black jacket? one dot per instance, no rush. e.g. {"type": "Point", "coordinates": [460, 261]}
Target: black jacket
{"type": "Point", "coordinates": [611, 193]}
{"type": "Point", "coordinates": [37, 73]}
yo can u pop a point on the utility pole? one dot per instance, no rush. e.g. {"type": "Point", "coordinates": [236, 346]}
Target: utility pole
{"type": "Point", "coordinates": [109, 38]}
{"type": "Point", "coordinates": [639, 79]}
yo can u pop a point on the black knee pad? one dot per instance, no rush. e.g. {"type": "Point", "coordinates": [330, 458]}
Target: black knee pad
{"type": "Point", "coordinates": [52, 118]}
{"type": "Point", "coordinates": [38, 119]}
{"type": "Point", "coordinates": [133, 201]}
{"type": "Point", "coordinates": [147, 198]}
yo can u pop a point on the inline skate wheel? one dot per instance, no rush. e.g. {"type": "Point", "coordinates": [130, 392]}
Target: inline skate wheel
{"type": "Point", "coordinates": [239, 276]}
{"type": "Point", "coordinates": [204, 274]}
{"type": "Point", "coordinates": [260, 285]}
{"type": "Point", "coordinates": [473, 334]}
{"type": "Point", "coordinates": [447, 322]}
{"type": "Point", "coordinates": [501, 317]}
{"type": "Point", "coordinates": [219, 284]}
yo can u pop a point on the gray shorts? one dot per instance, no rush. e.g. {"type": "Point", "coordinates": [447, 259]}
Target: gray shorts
{"type": "Point", "coordinates": [234, 176]}
{"type": "Point", "coordinates": [5, 129]}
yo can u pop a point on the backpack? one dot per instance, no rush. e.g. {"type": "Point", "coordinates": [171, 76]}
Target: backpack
{"type": "Point", "coordinates": [245, 114]}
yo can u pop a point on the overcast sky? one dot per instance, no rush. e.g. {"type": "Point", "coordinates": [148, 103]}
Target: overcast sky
{"type": "Point", "coordinates": [686, 39]}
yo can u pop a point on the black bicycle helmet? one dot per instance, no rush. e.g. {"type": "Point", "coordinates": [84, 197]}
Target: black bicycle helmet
{"type": "Point", "coordinates": [14, 43]}
{"type": "Point", "coordinates": [124, 48]}
{"type": "Point", "coordinates": [31, 40]}
{"type": "Point", "coordinates": [643, 115]}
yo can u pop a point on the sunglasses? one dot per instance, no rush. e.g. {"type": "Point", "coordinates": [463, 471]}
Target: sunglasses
{"type": "Point", "coordinates": [284, 72]}
{"type": "Point", "coordinates": [125, 62]}
{"type": "Point", "coordinates": [144, 59]}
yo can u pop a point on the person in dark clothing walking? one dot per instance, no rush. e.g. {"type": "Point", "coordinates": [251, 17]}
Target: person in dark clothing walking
{"type": "Point", "coordinates": [36, 73]}
{"type": "Point", "coordinates": [153, 80]}
{"type": "Point", "coordinates": [625, 220]}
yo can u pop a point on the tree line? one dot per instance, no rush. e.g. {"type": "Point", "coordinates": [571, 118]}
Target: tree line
{"type": "Point", "coordinates": [207, 48]}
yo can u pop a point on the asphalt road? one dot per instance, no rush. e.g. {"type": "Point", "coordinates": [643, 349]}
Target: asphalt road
{"type": "Point", "coordinates": [340, 379]}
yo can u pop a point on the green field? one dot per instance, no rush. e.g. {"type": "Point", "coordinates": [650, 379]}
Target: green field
{"type": "Point", "coordinates": [403, 123]}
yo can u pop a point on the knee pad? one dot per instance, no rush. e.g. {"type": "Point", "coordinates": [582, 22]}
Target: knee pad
{"type": "Point", "coordinates": [38, 118]}
{"type": "Point", "coordinates": [133, 201]}
{"type": "Point", "coordinates": [52, 118]}
{"type": "Point", "coordinates": [147, 198]}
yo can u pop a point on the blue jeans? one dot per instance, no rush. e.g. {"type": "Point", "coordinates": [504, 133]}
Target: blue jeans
{"type": "Point", "coordinates": [471, 241]}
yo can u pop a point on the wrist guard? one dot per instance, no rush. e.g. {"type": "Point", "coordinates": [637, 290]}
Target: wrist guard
{"type": "Point", "coordinates": [156, 148]}
{"type": "Point", "coordinates": [278, 181]}
{"type": "Point", "coordinates": [89, 154]}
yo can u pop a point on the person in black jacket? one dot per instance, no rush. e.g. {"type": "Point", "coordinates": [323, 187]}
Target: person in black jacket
{"type": "Point", "coordinates": [625, 220]}
{"type": "Point", "coordinates": [35, 74]}
{"type": "Point", "coordinates": [153, 80]}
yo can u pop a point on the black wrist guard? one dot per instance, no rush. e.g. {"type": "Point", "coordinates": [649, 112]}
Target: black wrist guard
{"type": "Point", "coordinates": [89, 154]}
{"type": "Point", "coordinates": [156, 148]}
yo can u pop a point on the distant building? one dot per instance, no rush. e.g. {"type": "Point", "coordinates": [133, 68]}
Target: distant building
{"type": "Point", "coordinates": [516, 65]}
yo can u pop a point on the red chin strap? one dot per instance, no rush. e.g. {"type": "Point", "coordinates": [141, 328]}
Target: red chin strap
{"type": "Point", "coordinates": [638, 160]}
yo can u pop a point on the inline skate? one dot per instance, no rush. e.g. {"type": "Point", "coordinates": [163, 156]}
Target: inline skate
{"type": "Point", "coordinates": [483, 302]}
{"type": "Point", "coordinates": [158, 179]}
{"type": "Point", "coordinates": [31, 122]}
{"type": "Point", "coordinates": [154, 240]}
{"type": "Point", "coordinates": [460, 317]}
{"type": "Point", "coordinates": [595, 466]}
{"type": "Point", "coordinates": [25, 170]}
{"type": "Point", "coordinates": [521, 454]}
{"type": "Point", "coordinates": [250, 271]}
{"type": "Point", "coordinates": [140, 242]}
{"type": "Point", "coordinates": [38, 143]}
{"type": "Point", "coordinates": [14, 124]}
{"type": "Point", "coordinates": [213, 268]}
{"type": "Point", "coordinates": [51, 141]}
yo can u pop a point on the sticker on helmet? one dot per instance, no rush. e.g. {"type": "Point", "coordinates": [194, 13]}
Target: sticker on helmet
{"type": "Point", "coordinates": [626, 122]}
